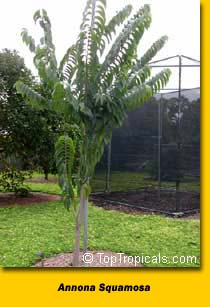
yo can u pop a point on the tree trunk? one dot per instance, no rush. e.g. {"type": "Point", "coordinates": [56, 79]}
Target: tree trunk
{"type": "Point", "coordinates": [85, 243]}
{"type": "Point", "coordinates": [82, 217]}
{"type": "Point", "coordinates": [46, 174]}
{"type": "Point", "coordinates": [76, 253]}
{"type": "Point", "coordinates": [79, 219]}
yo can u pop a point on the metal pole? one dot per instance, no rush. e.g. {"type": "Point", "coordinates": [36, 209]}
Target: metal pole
{"type": "Point", "coordinates": [165, 59]}
{"type": "Point", "coordinates": [189, 58]}
{"type": "Point", "coordinates": [159, 145]}
{"type": "Point", "coordinates": [172, 65]}
{"type": "Point", "coordinates": [108, 170]}
{"type": "Point", "coordinates": [180, 87]}
{"type": "Point", "coordinates": [178, 137]}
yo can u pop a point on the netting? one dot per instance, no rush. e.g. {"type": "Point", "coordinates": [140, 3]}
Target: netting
{"type": "Point", "coordinates": [153, 160]}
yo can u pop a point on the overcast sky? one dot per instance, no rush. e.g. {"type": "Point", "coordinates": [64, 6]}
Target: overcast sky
{"type": "Point", "coordinates": [179, 19]}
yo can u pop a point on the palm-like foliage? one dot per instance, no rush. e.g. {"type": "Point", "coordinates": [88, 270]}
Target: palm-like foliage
{"type": "Point", "coordinates": [64, 152]}
{"type": "Point", "coordinates": [107, 89]}
{"type": "Point", "coordinates": [95, 85]}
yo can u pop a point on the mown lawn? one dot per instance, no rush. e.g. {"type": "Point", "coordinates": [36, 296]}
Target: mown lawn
{"type": "Point", "coordinates": [120, 181]}
{"type": "Point", "coordinates": [44, 187]}
{"type": "Point", "coordinates": [136, 180]}
{"type": "Point", "coordinates": [49, 228]}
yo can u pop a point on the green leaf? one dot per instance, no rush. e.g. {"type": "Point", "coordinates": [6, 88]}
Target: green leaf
{"type": "Point", "coordinates": [153, 50]}
{"type": "Point", "coordinates": [58, 93]}
{"type": "Point", "coordinates": [34, 98]}
{"type": "Point", "coordinates": [68, 64]}
{"type": "Point", "coordinates": [64, 155]}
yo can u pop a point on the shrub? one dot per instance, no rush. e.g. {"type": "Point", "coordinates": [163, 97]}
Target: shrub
{"type": "Point", "coordinates": [12, 180]}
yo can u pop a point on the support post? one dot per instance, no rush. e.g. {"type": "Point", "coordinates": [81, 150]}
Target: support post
{"type": "Point", "coordinates": [108, 170]}
{"type": "Point", "coordinates": [159, 144]}
{"type": "Point", "coordinates": [178, 140]}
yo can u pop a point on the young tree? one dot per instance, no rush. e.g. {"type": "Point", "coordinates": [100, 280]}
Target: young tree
{"type": "Point", "coordinates": [93, 91]}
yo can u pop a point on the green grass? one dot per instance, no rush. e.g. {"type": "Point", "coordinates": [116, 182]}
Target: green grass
{"type": "Point", "coordinates": [119, 181]}
{"type": "Point", "coordinates": [45, 187]}
{"type": "Point", "coordinates": [49, 228]}
{"type": "Point", "coordinates": [24, 231]}
{"type": "Point", "coordinates": [134, 181]}
{"type": "Point", "coordinates": [40, 174]}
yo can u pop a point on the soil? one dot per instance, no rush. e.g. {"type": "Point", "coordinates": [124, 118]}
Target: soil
{"type": "Point", "coordinates": [128, 202]}
{"type": "Point", "coordinates": [195, 216]}
{"type": "Point", "coordinates": [146, 201]}
{"type": "Point", "coordinates": [100, 259]}
{"type": "Point", "coordinates": [9, 199]}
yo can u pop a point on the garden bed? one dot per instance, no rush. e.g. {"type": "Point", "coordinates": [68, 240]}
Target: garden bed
{"type": "Point", "coordinates": [9, 199]}
{"type": "Point", "coordinates": [146, 200]}
{"type": "Point", "coordinates": [95, 259]}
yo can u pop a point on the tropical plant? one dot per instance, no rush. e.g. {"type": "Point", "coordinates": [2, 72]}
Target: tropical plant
{"type": "Point", "coordinates": [93, 87]}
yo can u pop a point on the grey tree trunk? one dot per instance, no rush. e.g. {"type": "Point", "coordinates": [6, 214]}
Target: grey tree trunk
{"type": "Point", "coordinates": [85, 242]}
{"type": "Point", "coordinates": [76, 253]}
{"type": "Point", "coordinates": [82, 218]}
{"type": "Point", "coordinates": [79, 219]}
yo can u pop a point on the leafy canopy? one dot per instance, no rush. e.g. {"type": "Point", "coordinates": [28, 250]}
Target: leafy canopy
{"type": "Point", "coordinates": [99, 79]}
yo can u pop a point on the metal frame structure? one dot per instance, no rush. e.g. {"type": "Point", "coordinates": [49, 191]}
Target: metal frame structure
{"type": "Point", "coordinates": [178, 89]}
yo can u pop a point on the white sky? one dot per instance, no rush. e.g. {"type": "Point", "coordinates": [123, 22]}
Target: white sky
{"type": "Point", "coordinates": [179, 19]}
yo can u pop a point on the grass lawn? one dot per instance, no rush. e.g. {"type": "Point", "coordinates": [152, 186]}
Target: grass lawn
{"type": "Point", "coordinates": [44, 187]}
{"type": "Point", "coordinates": [25, 231]}
{"type": "Point", "coordinates": [49, 228]}
{"type": "Point", "coordinates": [119, 181]}
{"type": "Point", "coordinates": [135, 180]}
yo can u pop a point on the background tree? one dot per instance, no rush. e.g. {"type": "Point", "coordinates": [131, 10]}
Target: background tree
{"type": "Point", "coordinates": [26, 132]}
{"type": "Point", "coordinates": [12, 68]}
{"type": "Point", "coordinates": [93, 91]}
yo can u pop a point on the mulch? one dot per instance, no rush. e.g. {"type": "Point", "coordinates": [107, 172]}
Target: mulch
{"type": "Point", "coordinates": [10, 199]}
{"type": "Point", "coordinates": [146, 201]}
{"type": "Point", "coordinates": [106, 205]}
{"type": "Point", "coordinates": [98, 259]}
